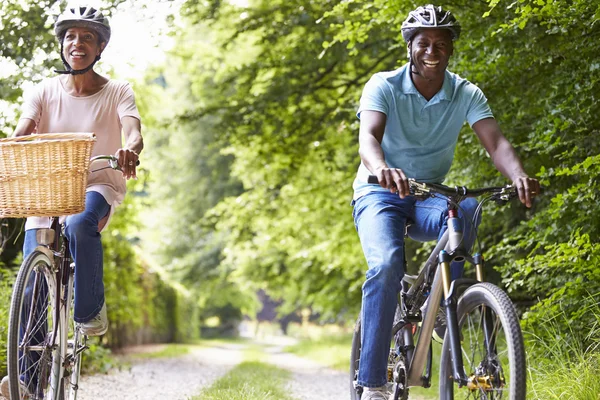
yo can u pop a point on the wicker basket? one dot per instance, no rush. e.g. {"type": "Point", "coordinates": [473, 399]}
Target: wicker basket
{"type": "Point", "coordinates": [44, 175]}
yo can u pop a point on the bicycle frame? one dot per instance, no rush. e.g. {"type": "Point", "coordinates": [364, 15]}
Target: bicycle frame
{"type": "Point", "coordinates": [449, 247]}
{"type": "Point", "coordinates": [53, 240]}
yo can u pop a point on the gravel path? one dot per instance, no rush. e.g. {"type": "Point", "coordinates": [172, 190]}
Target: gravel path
{"type": "Point", "coordinates": [163, 378]}
{"type": "Point", "coordinates": [310, 380]}
{"type": "Point", "coordinates": [182, 377]}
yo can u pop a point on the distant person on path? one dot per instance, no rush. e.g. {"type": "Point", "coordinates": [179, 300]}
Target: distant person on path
{"type": "Point", "coordinates": [80, 100]}
{"type": "Point", "coordinates": [410, 119]}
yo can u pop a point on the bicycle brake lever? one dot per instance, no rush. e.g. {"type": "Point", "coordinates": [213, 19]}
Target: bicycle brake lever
{"type": "Point", "coordinates": [507, 193]}
{"type": "Point", "coordinates": [418, 190]}
{"type": "Point", "coordinates": [114, 164]}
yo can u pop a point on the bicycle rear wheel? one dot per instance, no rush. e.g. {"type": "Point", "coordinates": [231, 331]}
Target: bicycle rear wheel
{"type": "Point", "coordinates": [355, 391]}
{"type": "Point", "coordinates": [34, 354]}
{"type": "Point", "coordinates": [491, 345]}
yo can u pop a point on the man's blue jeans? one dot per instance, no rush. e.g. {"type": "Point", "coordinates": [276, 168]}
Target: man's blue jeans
{"type": "Point", "coordinates": [86, 250]}
{"type": "Point", "coordinates": [380, 219]}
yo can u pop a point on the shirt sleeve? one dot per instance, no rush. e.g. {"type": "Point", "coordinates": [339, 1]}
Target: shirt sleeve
{"type": "Point", "coordinates": [32, 104]}
{"type": "Point", "coordinates": [126, 106]}
{"type": "Point", "coordinates": [373, 97]}
{"type": "Point", "coordinates": [478, 107]}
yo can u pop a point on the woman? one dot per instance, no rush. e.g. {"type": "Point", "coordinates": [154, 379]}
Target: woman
{"type": "Point", "coordinates": [80, 100]}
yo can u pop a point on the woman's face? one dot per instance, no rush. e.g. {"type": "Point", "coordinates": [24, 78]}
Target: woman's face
{"type": "Point", "coordinates": [81, 46]}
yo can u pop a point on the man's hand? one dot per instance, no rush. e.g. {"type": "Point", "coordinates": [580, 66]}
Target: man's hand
{"type": "Point", "coordinates": [527, 188]}
{"type": "Point", "coordinates": [127, 161]}
{"type": "Point", "coordinates": [394, 180]}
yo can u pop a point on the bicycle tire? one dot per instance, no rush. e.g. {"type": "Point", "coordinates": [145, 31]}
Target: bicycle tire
{"type": "Point", "coordinates": [480, 301]}
{"type": "Point", "coordinates": [354, 361]}
{"type": "Point", "coordinates": [35, 366]}
{"type": "Point", "coordinates": [70, 386]}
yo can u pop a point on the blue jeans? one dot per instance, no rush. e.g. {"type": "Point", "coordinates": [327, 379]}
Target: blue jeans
{"type": "Point", "coordinates": [86, 250]}
{"type": "Point", "coordinates": [380, 219]}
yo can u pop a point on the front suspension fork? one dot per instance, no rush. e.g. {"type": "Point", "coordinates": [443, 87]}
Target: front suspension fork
{"type": "Point", "coordinates": [452, 331]}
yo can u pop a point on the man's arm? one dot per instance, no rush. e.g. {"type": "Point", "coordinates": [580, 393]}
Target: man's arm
{"type": "Point", "coordinates": [25, 126]}
{"type": "Point", "coordinates": [505, 159]}
{"type": "Point", "coordinates": [128, 155]}
{"type": "Point", "coordinates": [372, 128]}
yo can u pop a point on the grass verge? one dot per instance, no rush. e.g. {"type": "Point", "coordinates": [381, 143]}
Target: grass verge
{"type": "Point", "coordinates": [562, 369]}
{"type": "Point", "coordinates": [331, 351]}
{"type": "Point", "coordinates": [250, 380]}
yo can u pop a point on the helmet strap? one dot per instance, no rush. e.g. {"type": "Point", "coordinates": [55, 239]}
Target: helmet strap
{"type": "Point", "coordinates": [69, 70]}
{"type": "Point", "coordinates": [410, 61]}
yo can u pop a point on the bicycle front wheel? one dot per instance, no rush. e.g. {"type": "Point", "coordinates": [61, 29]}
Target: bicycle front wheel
{"type": "Point", "coordinates": [491, 345]}
{"type": "Point", "coordinates": [34, 351]}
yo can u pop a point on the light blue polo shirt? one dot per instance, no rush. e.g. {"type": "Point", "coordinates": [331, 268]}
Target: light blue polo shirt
{"type": "Point", "coordinates": [420, 136]}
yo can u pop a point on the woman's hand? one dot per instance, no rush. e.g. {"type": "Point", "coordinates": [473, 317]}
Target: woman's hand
{"type": "Point", "coordinates": [128, 160]}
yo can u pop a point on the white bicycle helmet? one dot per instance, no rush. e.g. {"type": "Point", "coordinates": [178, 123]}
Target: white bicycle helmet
{"type": "Point", "coordinates": [81, 17]}
{"type": "Point", "coordinates": [85, 17]}
{"type": "Point", "coordinates": [429, 16]}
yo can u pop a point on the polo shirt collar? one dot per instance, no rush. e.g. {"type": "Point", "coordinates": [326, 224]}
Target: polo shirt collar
{"type": "Point", "coordinates": [445, 93]}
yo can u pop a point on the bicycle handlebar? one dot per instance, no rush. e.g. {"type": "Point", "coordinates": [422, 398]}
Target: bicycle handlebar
{"type": "Point", "coordinates": [427, 189]}
{"type": "Point", "coordinates": [113, 161]}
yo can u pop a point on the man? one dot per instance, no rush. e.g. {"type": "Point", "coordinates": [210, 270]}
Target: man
{"type": "Point", "coordinates": [81, 100]}
{"type": "Point", "coordinates": [410, 119]}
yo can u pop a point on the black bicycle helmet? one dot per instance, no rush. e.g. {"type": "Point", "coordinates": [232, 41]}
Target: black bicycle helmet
{"type": "Point", "coordinates": [82, 17]}
{"type": "Point", "coordinates": [429, 16]}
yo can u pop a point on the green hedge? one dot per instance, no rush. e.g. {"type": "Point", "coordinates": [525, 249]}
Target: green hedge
{"type": "Point", "coordinates": [143, 305]}
{"type": "Point", "coordinates": [5, 291]}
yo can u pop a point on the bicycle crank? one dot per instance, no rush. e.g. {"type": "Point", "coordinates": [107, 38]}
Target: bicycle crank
{"type": "Point", "coordinates": [400, 380]}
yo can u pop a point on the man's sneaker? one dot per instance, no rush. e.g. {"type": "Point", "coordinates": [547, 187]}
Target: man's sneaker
{"type": "Point", "coordinates": [97, 326]}
{"type": "Point", "coordinates": [439, 328]}
{"type": "Point", "coordinates": [6, 391]}
{"type": "Point", "coordinates": [378, 393]}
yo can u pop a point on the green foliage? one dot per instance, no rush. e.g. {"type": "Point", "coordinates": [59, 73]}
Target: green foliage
{"type": "Point", "coordinates": [143, 303]}
{"type": "Point", "coordinates": [5, 291]}
{"type": "Point", "coordinates": [97, 359]}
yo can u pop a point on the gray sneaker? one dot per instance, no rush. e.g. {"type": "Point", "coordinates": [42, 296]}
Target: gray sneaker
{"type": "Point", "coordinates": [6, 391]}
{"type": "Point", "coordinates": [378, 393]}
{"type": "Point", "coordinates": [97, 326]}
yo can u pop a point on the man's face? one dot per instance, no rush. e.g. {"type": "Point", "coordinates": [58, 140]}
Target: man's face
{"type": "Point", "coordinates": [81, 46]}
{"type": "Point", "coordinates": [430, 51]}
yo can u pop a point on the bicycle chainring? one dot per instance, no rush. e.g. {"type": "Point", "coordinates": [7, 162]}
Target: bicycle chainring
{"type": "Point", "coordinates": [400, 380]}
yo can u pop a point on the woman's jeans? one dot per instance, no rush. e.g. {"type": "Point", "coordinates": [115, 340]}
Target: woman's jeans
{"type": "Point", "coordinates": [380, 219]}
{"type": "Point", "coordinates": [86, 250]}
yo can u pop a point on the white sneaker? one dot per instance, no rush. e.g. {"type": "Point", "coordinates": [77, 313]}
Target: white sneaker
{"type": "Point", "coordinates": [97, 326]}
{"type": "Point", "coordinates": [5, 391]}
{"type": "Point", "coordinates": [377, 393]}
